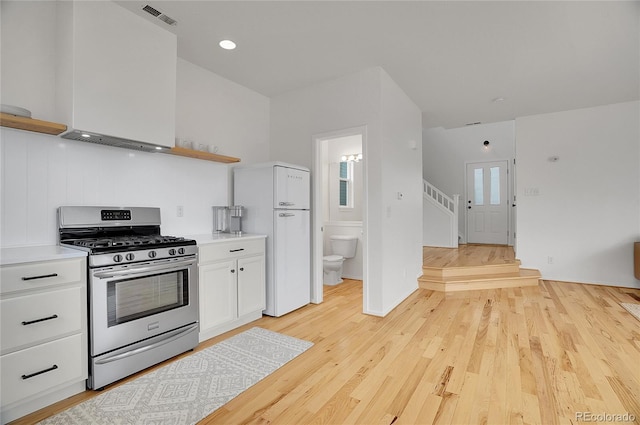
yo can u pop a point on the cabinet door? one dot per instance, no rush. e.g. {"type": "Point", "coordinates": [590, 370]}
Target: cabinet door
{"type": "Point", "coordinates": [251, 284]}
{"type": "Point", "coordinates": [218, 294]}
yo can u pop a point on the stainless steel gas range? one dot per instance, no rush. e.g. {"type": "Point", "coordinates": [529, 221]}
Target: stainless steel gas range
{"type": "Point", "coordinates": [142, 288]}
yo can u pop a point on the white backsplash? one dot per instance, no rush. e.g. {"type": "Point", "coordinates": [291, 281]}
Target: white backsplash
{"type": "Point", "coordinates": [41, 173]}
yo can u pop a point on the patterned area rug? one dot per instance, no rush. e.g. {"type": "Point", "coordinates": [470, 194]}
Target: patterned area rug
{"type": "Point", "coordinates": [634, 309]}
{"type": "Point", "coordinates": [187, 390]}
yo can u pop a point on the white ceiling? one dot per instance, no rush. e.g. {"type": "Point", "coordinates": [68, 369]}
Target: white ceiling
{"type": "Point", "coordinates": [452, 58]}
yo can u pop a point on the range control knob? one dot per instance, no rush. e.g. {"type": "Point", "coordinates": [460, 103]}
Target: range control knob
{"type": "Point", "coordinates": [172, 251]}
{"type": "Point", "coordinates": [181, 251]}
{"type": "Point", "coordinates": [117, 258]}
{"type": "Point", "coordinates": [130, 257]}
{"type": "Point", "coordinates": [152, 254]}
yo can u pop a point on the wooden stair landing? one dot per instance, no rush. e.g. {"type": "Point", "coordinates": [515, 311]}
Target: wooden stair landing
{"type": "Point", "coordinates": [474, 267]}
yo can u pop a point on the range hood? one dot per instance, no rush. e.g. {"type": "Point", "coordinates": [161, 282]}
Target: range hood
{"type": "Point", "coordinates": [116, 77]}
{"type": "Point", "coordinates": [85, 136]}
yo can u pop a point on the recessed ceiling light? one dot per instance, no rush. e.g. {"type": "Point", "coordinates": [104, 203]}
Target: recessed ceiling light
{"type": "Point", "coordinates": [498, 99]}
{"type": "Point", "coordinates": [227, 44]}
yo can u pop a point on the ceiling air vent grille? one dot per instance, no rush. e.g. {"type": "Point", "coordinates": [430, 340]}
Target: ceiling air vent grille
{"type": "Point", "coordinates": [167, 20]}
{"type": "Point", "coordinates": [156, 13]}
{"type": "Point", "coordinates": [151, 10]}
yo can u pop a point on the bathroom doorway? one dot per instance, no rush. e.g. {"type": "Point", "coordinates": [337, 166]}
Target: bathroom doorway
{"type": "Point", "coordinates": [339, 202]}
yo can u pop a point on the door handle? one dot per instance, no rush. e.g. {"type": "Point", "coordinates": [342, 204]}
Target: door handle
{"type": "Point", "coordinates": [469, 207]}
{"type": "Point", "coordinates": [44, 276]}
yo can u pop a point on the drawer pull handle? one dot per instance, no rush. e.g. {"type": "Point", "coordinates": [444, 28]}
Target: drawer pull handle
{"type": "Point", "coordinates": [44, 276]}
{"type": "Point", "coordinates": [241, 269]}
{"type": "Point", "coordinates": [236, 250]}
{"type": "Point", "coordinates": [31, 375]}
{"type": "Point", "coordinates": [31, 322]}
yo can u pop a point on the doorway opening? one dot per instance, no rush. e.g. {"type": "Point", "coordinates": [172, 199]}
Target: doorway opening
{"type": "Point", "coordinates": [339, 205]}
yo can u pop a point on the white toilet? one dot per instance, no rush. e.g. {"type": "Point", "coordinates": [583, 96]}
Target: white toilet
{"type": "Point", "coordinates": [341, 247]}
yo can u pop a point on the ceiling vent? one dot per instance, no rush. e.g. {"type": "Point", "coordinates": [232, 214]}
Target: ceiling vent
{"type": "Point", "coordinates": [157, 14]}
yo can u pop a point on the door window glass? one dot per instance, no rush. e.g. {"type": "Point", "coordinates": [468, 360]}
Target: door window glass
{"type": "Point", "coordinates": [478, 186]}
{"type": "Point", "coordinates": [495, 186]}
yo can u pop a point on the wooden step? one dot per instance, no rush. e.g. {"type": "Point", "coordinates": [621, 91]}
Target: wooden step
{"type": "Point", "coordinates": [524, 277]}
{"type": "Point", "coordinates": [444, 273]}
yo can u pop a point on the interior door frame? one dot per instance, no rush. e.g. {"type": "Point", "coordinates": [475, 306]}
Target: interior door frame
{"type": "Point", "coordinates": [317, 215]}
{"type": "Point", "coordinates": [511, 204]}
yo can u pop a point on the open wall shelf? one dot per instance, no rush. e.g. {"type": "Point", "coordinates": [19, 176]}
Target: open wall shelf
{"type": "Point", "coordinates": [30, 124]}
{"type": "Point", "coordinates": [202, 155]}
{"type": "Point", "coordinates": [52, 128]}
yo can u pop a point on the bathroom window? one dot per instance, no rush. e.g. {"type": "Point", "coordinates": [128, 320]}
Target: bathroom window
{"type": "Point", "coordinates": [346, 185]}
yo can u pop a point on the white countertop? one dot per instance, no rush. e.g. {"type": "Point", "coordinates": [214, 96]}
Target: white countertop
{"type": "Point", "coordinates": [222, 237]}
{"type": "Point", "coordinates": [29, 254]}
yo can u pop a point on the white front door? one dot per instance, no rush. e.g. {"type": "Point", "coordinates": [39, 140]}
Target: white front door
{"type": "Point", "coordinates": [487, 203]}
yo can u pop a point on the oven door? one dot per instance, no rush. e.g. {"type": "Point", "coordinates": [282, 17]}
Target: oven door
{"type": "Point", "coordinates": [130, 303]}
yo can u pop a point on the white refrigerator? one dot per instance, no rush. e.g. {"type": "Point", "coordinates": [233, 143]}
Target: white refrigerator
{"type": "Point", "coordinates": [276, 197]}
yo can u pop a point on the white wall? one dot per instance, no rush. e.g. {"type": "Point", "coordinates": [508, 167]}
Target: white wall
{"type": "Point", "coordinates": [28, 39]}
{"type": "Point", "coordinates": [401, 165]}
{"type": "Point", "coordinates": [446, 151]}
{"type": "Point", "coordinates": [212, 110]}
{"type": "Point", "coordinates": [40, 173]}
{"type": "Point", "coordinates": [587, 213]}
{"type": "Point", "coordinates": [368, 98]}
{"type": "Point", "coordinates": [437, 225]}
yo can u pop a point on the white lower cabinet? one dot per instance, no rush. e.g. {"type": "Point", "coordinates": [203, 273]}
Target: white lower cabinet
{"type": "Point", "coordinates": [232, 285]}
{"type": "Point", "coordinates": [43, 309]}
{"type": "Point", "coordinates": [251, 285]}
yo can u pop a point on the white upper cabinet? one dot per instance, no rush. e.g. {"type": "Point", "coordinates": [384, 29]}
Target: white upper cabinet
{"type": "Point", "coordinates": [116, 73]}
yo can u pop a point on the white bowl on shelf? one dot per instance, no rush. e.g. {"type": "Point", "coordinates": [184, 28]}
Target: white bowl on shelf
{"type": "Point", "coordinates": [15, 110]}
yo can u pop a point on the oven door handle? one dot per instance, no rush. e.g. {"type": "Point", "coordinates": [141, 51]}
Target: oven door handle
{"type": "Point", "coordinates": [178, 265]}
{"type": "Point", "coordinates": [171, 336]}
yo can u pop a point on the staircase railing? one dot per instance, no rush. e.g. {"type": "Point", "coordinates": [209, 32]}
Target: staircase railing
{"type": "Point", "coordinates": [451, 208]}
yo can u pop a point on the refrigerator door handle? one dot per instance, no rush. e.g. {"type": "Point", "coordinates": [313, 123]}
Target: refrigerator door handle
{"type": "Point", "coordinates": [286, 215]}
{"type": "Point", "coordinates": [286, 204]}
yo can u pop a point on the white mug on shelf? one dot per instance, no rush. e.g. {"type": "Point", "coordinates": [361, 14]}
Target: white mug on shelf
{"type": "Point", "coordinates": [186, 143]}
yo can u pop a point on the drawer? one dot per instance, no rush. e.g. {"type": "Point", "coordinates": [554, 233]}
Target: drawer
{"type": "Point", "coordinates": [30, 319]}
{"type": "Point", "coordinates": [230, 250]}
{"type": "Point", "coordinates": [65, 354]}
{"type": "Point", "coordinates": [30, 276]}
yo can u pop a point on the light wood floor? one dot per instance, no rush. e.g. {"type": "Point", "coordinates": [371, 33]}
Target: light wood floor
{"type": "Point", "coordinates": [521, 355]}
{"type": "Point", "coordinates": [467, 255]}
